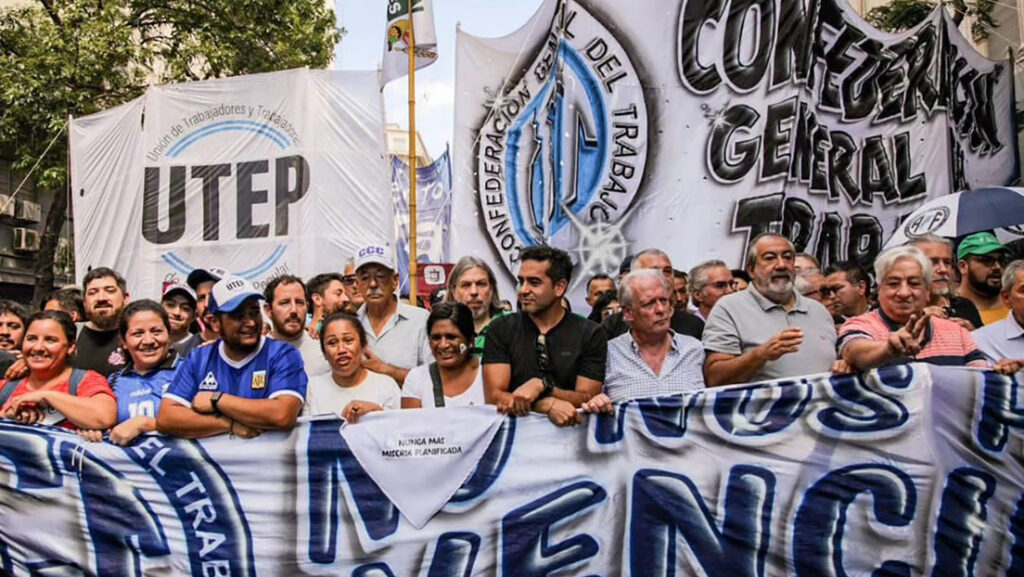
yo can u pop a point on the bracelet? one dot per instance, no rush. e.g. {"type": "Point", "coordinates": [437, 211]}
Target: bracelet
{"type": "Point", "coordinates": [214, 399]}
{"type": "Point", "coordinates": [231, 429]}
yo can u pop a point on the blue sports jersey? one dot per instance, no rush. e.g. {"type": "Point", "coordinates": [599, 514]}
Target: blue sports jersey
{"type": "Point", "coordinates": [140, 395]}
{"type": "Point", "coordinates": [274, 369]}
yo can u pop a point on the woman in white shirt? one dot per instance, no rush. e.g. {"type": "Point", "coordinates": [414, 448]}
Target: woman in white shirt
{"type": "Point", "coordinates": [455, 372]}
{"type": "Point", "coordinates": [349, 390]}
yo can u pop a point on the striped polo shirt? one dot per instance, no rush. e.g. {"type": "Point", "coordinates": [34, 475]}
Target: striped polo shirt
{"type": "Point", "coordinates": [945, 342]}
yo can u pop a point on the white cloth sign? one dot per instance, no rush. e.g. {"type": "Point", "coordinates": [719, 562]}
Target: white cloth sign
{"type": "Point", "coordinates": [911, 470]}
{"type": "Point", "coordinates": [420, 465]}
{"type": "Point", "coordinates": [261, 175]}
{"type": "Point", "coordinates": [606, 127]}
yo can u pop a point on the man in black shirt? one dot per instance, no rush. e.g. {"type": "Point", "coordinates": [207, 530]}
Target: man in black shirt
{"type": "Point", "coordinates": [543, 357]}
{"type": "Point", "coordinates": [99, 341]}
{"type": "Point", "coordinates": [683, 322]}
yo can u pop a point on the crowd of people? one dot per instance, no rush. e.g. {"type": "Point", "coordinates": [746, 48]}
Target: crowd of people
{"type": "Point", "coordinates": [215, 356]}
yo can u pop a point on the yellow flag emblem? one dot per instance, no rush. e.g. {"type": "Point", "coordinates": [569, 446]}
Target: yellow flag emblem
{"type": "Point", "coordinates": [259, 380]}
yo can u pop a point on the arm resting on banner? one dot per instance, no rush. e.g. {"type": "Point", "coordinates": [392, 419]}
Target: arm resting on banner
{"type": "Point", "coordinates": [279, 412]}
{"type": "Point", "coordinates": [725, 369]}
{"type": "Point", "coordinates": [178, 420]}
{"type": "Point", "coordinates": [95, 412]}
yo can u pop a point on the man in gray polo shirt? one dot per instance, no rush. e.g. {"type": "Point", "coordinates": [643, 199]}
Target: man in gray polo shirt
{"type": "Point", "coordinates": [768, 331]}
{"type": "Point", "coordinates": [396, 333]}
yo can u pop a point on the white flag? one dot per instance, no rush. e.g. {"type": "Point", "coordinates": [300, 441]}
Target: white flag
{"type": "Point", "coordinates": [400, 32]}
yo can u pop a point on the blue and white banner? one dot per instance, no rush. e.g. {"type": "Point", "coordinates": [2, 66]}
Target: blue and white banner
{"type": "Point", "coordinates": [909, 471]}
{"type": "Point", "coordinates": [433, 212]}
{"type": "Point", "coordinates": [262, 175]}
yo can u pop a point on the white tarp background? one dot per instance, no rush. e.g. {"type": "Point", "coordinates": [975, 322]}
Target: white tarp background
{"type": "Point", "coordinates": [608, 127]}
{"type": "Point", "coordinates": [262, 175]}
{"type": "Point", "coordinates": [912, 470]}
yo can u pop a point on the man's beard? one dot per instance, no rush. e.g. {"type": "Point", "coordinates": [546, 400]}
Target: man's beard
{"type": "Point", "coordinates": [775, 291]}
{"type": "Point", "coordinates": [105, 322]}
{"type": "Point", "coordinates": [983, 287]}
{"type": "Point", "coordinates": [945, 291]}
{"type": "Point", "coordinates": [284, 332]}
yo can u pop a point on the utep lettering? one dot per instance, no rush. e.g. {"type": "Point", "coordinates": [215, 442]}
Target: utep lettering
{"type": "Point", "coordinates": [670, 522]}
{"type": "Point", "coordinates": [291, 182]}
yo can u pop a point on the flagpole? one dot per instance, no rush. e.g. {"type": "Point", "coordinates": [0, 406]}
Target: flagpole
{"type": "Point", "coordinates": [412, 159]}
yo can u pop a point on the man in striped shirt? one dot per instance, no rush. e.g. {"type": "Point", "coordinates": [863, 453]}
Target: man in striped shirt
{"type": "Point", "coordinates": [899, 330]}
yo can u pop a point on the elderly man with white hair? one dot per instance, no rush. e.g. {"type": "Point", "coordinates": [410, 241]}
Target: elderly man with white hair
{"type": "Point", "coordinates": [900, 330]}
{"type": "Point", "coordinates": [651, 360]}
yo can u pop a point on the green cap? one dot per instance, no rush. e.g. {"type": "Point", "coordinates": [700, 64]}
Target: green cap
{"type": "Point", "coordinates": [980, 243]}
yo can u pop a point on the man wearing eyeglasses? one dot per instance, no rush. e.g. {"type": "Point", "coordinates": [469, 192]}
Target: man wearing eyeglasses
{"type": "Point", "coordinates": [543, 358]}
{"type": "Point", "coordinates": [396, 333]}
{"type": "Point", "coordinates": [710, 281]}
{"type": "Point", "coordinates": [980, 259]}
{"type": "Point", "coordinates": [241, 384]}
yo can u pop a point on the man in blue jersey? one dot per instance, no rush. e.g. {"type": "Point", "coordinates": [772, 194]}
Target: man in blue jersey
{"type": "Point", "coordinates": [241, 379]}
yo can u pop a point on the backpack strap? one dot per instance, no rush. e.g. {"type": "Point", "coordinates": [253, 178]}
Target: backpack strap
{"type": "Point", "coordinates": [8, 390]}
{"type": "Point", "coordinates": [435, 376]}
{"type": "Point", "coordinates": [76, 379]}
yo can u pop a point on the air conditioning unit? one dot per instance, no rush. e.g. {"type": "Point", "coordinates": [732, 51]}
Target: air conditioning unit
{"type": "Point", "coordinates": [28, 211]}
{"type": "Point", "coordinates": [26, 240]}
{"type": "Point", "coordinates": [7, 205]}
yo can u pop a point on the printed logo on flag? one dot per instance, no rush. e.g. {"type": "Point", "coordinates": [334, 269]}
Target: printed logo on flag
{"type": "Point", "coordinates": [562, 152]}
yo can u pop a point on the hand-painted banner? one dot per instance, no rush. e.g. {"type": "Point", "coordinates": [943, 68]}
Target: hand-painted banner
{"type": "Point", "coordinates": [261, 175]}
{"type": "Point", "coordinates": [911, 470]}
{"type": "Point", "coordinates": [433, 212]}
{"type": "Point", "coordinates": [607, 127]}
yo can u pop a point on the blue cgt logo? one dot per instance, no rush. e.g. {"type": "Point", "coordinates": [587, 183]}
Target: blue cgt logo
{"type": "Point", "coordinates": [565, 145]}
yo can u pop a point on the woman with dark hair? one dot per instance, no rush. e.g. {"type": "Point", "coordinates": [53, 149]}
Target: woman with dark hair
{"type": "Point", "coordinates": [350, 389]}
{"type": "Point", "coordinates": [53, 393]}
{"type": "Point", "coordinates": [454, 379]}
{"type": "Point", "coordinates": [145, 332]}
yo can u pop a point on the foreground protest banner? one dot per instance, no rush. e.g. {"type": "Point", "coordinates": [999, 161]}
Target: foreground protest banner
{"type": "Point", "coordinates": [434, 205]}
{"type": "Point", "coordinates": [261, 175]}
{"type": "Point", "coordinates": [607, 127]}
{"type": "Point", "coordinates": [910, 470]}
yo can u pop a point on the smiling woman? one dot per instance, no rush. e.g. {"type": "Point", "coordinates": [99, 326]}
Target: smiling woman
{"type": "Point", "coordinates": [53, 393]}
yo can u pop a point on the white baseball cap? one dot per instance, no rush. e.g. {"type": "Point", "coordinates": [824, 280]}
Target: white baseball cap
{"type": "Point", "coordinates": [375, 254]}
{"type": "Point", "coordinates": [230, 292]}
{"type": "Point", "coordinates": [180, 289]}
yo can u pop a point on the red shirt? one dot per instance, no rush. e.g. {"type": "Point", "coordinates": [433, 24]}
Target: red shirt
{"type": "Point", "coordinates": [92, 384]}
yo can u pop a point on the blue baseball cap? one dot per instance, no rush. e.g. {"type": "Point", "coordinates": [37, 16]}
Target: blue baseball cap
{"type": "Point", "coordinates": [230, 292]}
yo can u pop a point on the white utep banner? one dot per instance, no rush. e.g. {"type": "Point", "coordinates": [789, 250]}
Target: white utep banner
{"type": "Point", "coordinates": [910, 470]}
{"type": "Point", "coordinates": [262, 175]}
{"type": "Point", "coordinates": [607, 127]}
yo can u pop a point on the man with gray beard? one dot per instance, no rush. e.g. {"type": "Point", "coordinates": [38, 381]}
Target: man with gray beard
{"type": "Point", "coordinates": [944, 302]}
{"type": "Point", "coordinates": [768, 331]}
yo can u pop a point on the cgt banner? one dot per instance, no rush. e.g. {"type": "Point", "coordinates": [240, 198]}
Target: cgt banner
{"type": "Point", "coordinates": [910, 471]}
{"type": "Point", "coordinates": [261, 175]}
{"type": "Point", "coordinates": [606, 127]}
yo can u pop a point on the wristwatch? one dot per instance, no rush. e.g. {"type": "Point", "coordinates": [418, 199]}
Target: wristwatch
{"type": "Point", "coordinates": [214, 399]}
{"type": "Point", "coordinates": [549, 387]}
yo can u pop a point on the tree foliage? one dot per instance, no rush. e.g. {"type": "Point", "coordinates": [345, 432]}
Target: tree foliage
{"type": "Point", "coordinates": [77, 57]}
{"type": "Point", "coordinates": [900, 15]}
